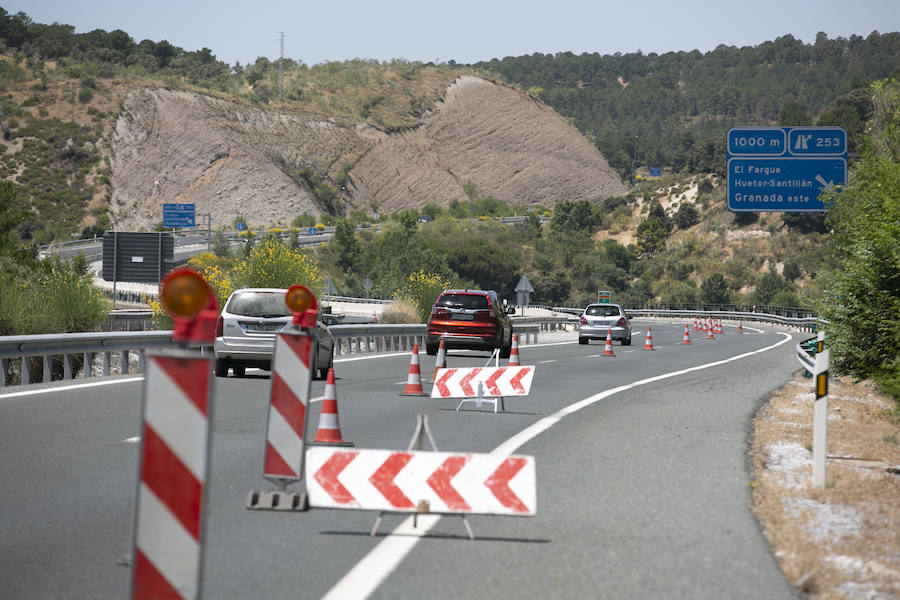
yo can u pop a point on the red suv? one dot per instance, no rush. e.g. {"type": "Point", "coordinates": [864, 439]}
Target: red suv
{"type": "Point", "coordinates": [471, 319]}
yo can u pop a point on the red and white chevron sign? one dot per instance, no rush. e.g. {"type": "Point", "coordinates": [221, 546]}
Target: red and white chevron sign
{"type": "Point", "coordinates": [497, 381]}
{"type": "Point", "coordinates": [437, 482]}
{"type": "Point", "coordinates": [174, 458]}
{"type": "Point", "coordinates": [289, 398]}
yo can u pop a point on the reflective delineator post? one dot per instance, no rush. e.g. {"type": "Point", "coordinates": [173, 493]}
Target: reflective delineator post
{"type": "Point", "coordinates": [820, 414]}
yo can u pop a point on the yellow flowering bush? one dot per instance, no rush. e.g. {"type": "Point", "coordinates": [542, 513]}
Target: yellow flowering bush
{"type": "Point", "coordinates": [272, 264]}
{"type": "Point", "coordinates": [422, 289]}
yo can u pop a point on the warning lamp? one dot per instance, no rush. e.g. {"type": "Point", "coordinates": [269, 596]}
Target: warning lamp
{"type": "Point", "coordinates": [302, 302]}
{"type": "Point", "coordinates": [191, 303]}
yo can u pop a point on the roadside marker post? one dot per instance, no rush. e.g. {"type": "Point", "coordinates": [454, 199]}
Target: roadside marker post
{"type": "Point", "coordinates": [292, 371]}
{"type": "Point", "coordinates": [176, 437]}
{"type": "Point", "coordinates": [818, 366]}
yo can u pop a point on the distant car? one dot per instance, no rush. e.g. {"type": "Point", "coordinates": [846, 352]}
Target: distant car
{"type": "Point", "coordinates": [424, 218]}
{"type": "Point", "coordinates": [470, 319]}
{"type": "Point", "coordinates": [245, 333]}
{"type": "Point", "coordinates": [598, 318]}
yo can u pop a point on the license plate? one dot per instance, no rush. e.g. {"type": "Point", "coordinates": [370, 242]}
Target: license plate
{"type": "Point", "coordinates": [263, 327]}
{"type": "Point", "coordinates": [461, 316]}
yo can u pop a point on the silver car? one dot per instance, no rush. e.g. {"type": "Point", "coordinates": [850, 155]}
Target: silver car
{"type": "Point", "coordinates": [245, 333]}
{"type": "Point", "coordinates": [598, 318]}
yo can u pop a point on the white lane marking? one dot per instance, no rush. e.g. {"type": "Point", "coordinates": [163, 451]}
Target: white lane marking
{"type": "Point", "coordinates": [68, 388]}
{"type": "Point", "coordinates": [541, 362]}
{"type": "Point", "coordinates": [365, 577]}
{"type": "Point", "coordinates": [131, 440]}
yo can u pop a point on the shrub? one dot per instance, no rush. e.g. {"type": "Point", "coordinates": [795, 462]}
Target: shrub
{"type": "Point", "coordinates": [401, 310]}
{"type": "Point", "coordinates": [421, 290]}
{"type": "Point", "coordinates": [272, 264]}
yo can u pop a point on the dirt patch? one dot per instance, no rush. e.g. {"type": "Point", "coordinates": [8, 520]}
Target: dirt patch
{"type": "Point", "coordinates": [842, 541]}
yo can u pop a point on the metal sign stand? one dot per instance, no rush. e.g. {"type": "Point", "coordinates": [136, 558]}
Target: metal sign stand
{"type": "Point", "coordinates": [479, 399]}
{"type": "Point", "coordinates": [417, 442]}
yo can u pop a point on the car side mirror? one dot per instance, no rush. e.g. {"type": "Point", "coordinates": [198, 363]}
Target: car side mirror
{"type": "Point", "coordinates": [511, 310]}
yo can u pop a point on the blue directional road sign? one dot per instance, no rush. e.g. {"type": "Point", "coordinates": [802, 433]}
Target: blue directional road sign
{"type": "Point", "coordinates": [785, 169]}
{"type": "Point", "coordinates": [178, 215]}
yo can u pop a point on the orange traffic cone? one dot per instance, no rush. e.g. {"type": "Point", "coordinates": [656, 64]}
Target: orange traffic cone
{"type": "Point", "coordinates": [687, 336]}
{"type": "Point", "coordinates": [719, 329]}
{"type": "Point", "coordinates": [514, 352]}
{"type": "Point", "coordinates": [740, 325]}
{"type": "Point", "coordinates": [329, 432]}
{"type": "Point", "coordinates": [648, 344]}
{"type": "Point", "coordinates": [414, 380]}
{"type": "Point", "coordinates": [441, 362]}
{"type": "Point", "coordinates": [607, 349]}
{"type": "Point", "coordinates": [697, 326]}
{"type": "Point", "coordinates": [709, 331]}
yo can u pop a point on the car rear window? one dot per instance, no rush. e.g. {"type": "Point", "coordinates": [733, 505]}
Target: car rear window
{"type": "Point", "coordinates": [465, 301]}
{"type": "Point", "coordinates": [258, 304]}
{"type": "Point", "coordinates": [602, 311]}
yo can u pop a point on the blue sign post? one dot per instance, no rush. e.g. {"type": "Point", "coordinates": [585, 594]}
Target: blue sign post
{"type": "Point", "coordinates": [178, 215]}
{"type": "Point", "coordinates": [785, 169]}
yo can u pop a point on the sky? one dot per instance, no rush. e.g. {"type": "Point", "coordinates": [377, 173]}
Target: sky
{"type": "Point", "coordinates": [462, 30]}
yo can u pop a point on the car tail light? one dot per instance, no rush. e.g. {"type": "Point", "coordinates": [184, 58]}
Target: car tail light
{"type": "Point", "coordinates": [220, 326]}
{"type": "Point", "coordinates": [621, 322]}
{"type": "Point", "coordinates": [441, 312]}
{"type": "Point", "coordinates": [583, 321]}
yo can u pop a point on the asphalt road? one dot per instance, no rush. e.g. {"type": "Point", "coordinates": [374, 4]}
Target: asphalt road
{"type": "Point", "coordinates": [642, 493]}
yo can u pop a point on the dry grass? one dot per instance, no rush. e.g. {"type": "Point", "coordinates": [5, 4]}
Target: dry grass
{"type": "Point", "coordinates": [842, 541]}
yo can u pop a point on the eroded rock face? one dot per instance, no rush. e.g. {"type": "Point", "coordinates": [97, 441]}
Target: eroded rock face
{"type": "Point", "coordinates": [227, 158]}
{"type": "Point", "coordinates": [510, 146]}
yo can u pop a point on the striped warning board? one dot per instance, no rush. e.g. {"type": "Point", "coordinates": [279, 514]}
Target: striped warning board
{"type": "Point", "coordinates": [168, 537]}
{"type": "Point", "coordinates": [289, 398]}
{"type": "Point", "coordinates": [415, 481]}
{"type": "Point", "coordinates": [495, 381]}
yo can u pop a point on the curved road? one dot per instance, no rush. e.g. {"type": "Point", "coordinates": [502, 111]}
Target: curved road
{"type": "Point", "coordinates": [641, 471]}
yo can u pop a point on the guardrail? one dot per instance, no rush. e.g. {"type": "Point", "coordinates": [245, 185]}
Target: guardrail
{"type": "Point", "coordinates": [802, 324]}
{"type": "Point", "coordinates": [64, 356]}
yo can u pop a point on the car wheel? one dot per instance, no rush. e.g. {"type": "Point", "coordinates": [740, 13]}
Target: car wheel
{"type": "Point", "coordinates": [238, 371]}
{"type": "Point", "coordinates": [314, 361]}
{"type": "Point", "coordinates": [221, 368]}
{"type": "Point", "coordinates": [627, 341]}
{"type": "Point", "coordinates": [324, 372]}
{"type": "Point", "coordinates": [583, 341]}
{"type": "Point", "coordinates": [431, 349]}
{"type": "Point", "coordinates": [506, 350]}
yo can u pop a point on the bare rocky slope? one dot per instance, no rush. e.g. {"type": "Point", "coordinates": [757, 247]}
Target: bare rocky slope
{"type": "Point", "coordinates": [229, 158]}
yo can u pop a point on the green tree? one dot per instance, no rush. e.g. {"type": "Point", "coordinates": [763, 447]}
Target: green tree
{"type": "Point", "coordinates": [769, 285]}
{"type": "Point", "coordinates": [347, 245]}
{"type": "Point", "coordinates": [714, 290]}
{"type": "Point", "coordinates": [651, 236]}
{"type": "Point", "coordinates": [793, 115]}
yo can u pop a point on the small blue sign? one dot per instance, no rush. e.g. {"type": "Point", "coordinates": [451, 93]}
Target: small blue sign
{"type": "Point", "coordinates": [785, 169]}
{"type": "Point", "coordinates": [756, 141]}
{"type": "Point", "coordinates": [764, 184]}
{"type": "Point", "coordinates": [655, 172]}
{"type": "Point", "coordinates": [817, 141]}
{"type": "Point", "coordinates": [178, 215]}
{"type": "Point", "coordinates": [241, 226]}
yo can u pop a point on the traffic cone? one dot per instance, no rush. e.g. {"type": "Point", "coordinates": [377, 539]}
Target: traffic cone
{"type": "Point", "coordinates": [709, 331]}
{"type": "Point", "coordinates": [607, 349]}
{"type": "Point", "coordinates": [329, 432]}
{"type": "Point", "coordinates": [441, 362]}
{"type": "Point", "coordinates": [648, 343]}
{"type": "Point", "coordinates": [697, 326]}
{"type": "Point", "coordinates": [687, 336]}
{"type": "Point", "coordinates": [514, 352]}
{"type": "Point", "coordinates": [414, 380]}
{"type": "Point", "coordinates": [719, 328]}
{"type": "Point", "coordinates": [740, 325]}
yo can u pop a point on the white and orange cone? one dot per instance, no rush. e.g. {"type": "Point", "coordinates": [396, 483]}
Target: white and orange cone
{"type": "Point", "coordinates": [607, 349]}
{"type": "Point", "coordinates": [697, 326]}
{"type": "Point", "coordinates": [648, 341]}
{"type": "Point", "coordinates": [719, 329]}
{"type": "Point", "coordinates": [687, 335]}
{"type": "Point", "coordinates": [441, 362]}
{"type": "Point", "coordinates": [329, 432]}
{"type": "Point", "coordinates": [709, 331]}
{"type": "Point", "coordinates": [414, 380]}
{"type": "Point", "coordinates": [514, 352]}
{"type": "Point", "coordinates": [740, 325]}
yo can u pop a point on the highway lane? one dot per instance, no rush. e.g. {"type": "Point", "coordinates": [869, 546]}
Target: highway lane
{"type": "Point", "coordinates": [672, 451]}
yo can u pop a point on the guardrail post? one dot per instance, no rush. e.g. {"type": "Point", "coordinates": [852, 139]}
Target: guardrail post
{"type": "Point", "coordinates": [4, 371]}
{"type": "Point", "coordinates": [125, 365]}
{"type": "Point", "coordinates": [142, 358]}
{"type": "Point", "coordinates": [47, 375]}
{"type": "Point", "coordinates": [88, 363]}
{"type": "Point", "coordinates": [26, 370]}
{"type": "Point", "coordinates": [67, 366]}
{"type": "Point", "coordinates": [107, 358]}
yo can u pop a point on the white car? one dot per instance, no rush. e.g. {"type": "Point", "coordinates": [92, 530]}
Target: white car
{"type": "Point", "coordinates": [597, 319]}
{"type": "Point", "coordinates": [245, 333]}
